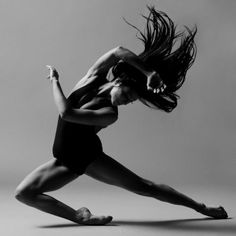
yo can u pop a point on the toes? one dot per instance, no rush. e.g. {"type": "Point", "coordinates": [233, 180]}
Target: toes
{"type": "Point", "coordinates": [109, 218]}
{"type": "Point", "coordinates": [85, 217]}
{"type": "Point", "coordinates": [97, 220]}
{"type": "Point", "coordinates": [219, 213]}
{"type": "Point", "coordinates": [224, 215]}
{"type": "Point", "coordinates": [101, 219]}
{"type": "Point", "coordinates": [215, 212]}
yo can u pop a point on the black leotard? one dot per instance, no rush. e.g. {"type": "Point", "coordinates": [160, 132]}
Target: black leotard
{"type": "Point", "coordinates": [77, 145]}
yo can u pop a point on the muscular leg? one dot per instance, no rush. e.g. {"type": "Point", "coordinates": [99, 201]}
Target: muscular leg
{"type": "Point", "coordinates": [108, 170]}
{"type": "Point", "coordinates": [49, 177]}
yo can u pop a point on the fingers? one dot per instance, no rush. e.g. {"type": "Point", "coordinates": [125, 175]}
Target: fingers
{"type": "Point", "coordinates": [49, 77]}
{"type": "Point", "coordinates": [163, 87]}
{"type": "Point", "coordinates": [51, 69]}
{"type": "Point", "coordinates": [157, 90]}
{"type": "Point", "coordinates": [155, 83]}
{"type": "Point", "coordinates": [52, 72]}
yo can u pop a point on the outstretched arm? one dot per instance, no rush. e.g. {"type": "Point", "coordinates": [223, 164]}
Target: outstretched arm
{"type": "Point", "coordinates": [101, 117]}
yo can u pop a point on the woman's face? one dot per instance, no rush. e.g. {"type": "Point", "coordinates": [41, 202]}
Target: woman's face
{"type": "Point", "coordinates": [122, 95]}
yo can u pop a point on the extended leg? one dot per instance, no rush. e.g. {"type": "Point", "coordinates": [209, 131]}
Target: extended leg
{"type": "Point", "coordinates": [49, 177]}
{"type": "Point", "coordinates": [111, 172]}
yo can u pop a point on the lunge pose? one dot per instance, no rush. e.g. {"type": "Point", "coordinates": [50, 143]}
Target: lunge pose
{"type": "Point", "coordinates": [117, 78]}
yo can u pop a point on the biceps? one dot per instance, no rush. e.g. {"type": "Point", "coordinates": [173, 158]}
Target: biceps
{"type": "Point", "coordinates": [102, 117]}
{"type": "Point", "coordinates": [105, 62]}
{"type": "Point", "coordinates": [105, 116]}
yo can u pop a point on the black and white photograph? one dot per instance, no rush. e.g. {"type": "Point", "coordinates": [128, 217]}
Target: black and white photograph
{"type": "Point", "coordinates": [118, 117]}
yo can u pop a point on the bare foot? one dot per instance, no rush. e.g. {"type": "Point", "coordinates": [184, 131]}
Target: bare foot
{"type": "Point", "coordinates": [215, 212]}
{"type": "Point", "coordinates": [85, 217]}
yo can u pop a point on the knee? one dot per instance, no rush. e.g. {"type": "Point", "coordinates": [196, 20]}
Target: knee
{"type": "Point", "coordinates": [25, 195]}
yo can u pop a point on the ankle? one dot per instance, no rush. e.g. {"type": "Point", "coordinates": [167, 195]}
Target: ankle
{"type": "Point", "coordinates": [200, 207]}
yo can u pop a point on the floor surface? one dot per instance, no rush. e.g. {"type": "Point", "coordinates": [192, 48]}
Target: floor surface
{"type": "Point", "coordinates": [132, 214]}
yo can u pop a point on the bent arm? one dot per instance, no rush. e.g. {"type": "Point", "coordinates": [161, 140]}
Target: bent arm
{"type": "Point", "coordinates": [101, 117]}
{"type": "Point", "coordinates": [59, 97]}
{"type": "Point", "coordinates": [112, 57]}
{"type": "Point", "coordinates": [154, 81]}
{"type": "Point", "coordinates": [132, 59]}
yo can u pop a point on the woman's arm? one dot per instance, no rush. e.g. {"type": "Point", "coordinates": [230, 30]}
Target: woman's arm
{"type": "Point", "coordinates": [58, 95]}
{"type": "Point", "coordinates": [154, 81]}
{"type": "Point", "coordinates": [132, 59]}
{"type": "Point", "coordinates": [112, 57]}
{"type": "Point", "coordinates": [101, 117]}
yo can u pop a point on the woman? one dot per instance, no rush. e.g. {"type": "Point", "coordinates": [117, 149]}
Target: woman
{"type": "Point", "coordinates": [117, 78]}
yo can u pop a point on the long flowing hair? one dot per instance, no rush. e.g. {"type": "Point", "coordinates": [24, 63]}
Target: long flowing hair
{"type": "Point", "coordinates": [168, 52]}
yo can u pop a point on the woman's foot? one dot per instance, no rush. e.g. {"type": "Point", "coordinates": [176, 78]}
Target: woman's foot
{"type": "Point", "coordinates": [215, 212]}
{"type": "Point", "coordinates": [85, 217]}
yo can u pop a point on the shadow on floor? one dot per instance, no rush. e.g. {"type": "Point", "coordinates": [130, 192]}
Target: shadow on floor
{"type": "Point", "coordinates": [198, 224]}
{"type": "Point", "coordinates": [70, 225]}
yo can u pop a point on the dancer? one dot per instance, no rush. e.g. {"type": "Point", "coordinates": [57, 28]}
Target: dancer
{"type": "Point", "coordinates": [117, 78]}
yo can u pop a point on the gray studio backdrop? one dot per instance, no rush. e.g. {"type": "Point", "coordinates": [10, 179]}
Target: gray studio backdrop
{"type": "Point", "coordinates": [195, 144]}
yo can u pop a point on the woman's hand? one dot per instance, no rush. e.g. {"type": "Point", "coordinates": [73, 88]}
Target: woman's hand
{"type": "Point", "coordinates": [155, 83]}
{"type": "Point", "coordinates": [53, 74]}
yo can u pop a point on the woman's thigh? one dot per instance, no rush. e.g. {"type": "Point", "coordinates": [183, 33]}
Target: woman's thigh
{"type": "Point", "coordinates": [108, 170]}
{"type": "Point", "coordinates": [49, 176]}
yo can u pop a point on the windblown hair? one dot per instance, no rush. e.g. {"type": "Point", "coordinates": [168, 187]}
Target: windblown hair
{"type": "Point", "coordinates": [168, 52]}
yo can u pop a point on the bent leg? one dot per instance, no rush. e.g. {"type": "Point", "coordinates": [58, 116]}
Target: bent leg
{"type": "Point", "coordinates": [108, 170]}
{"type": "Point", "coordinates": [49, 177]}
